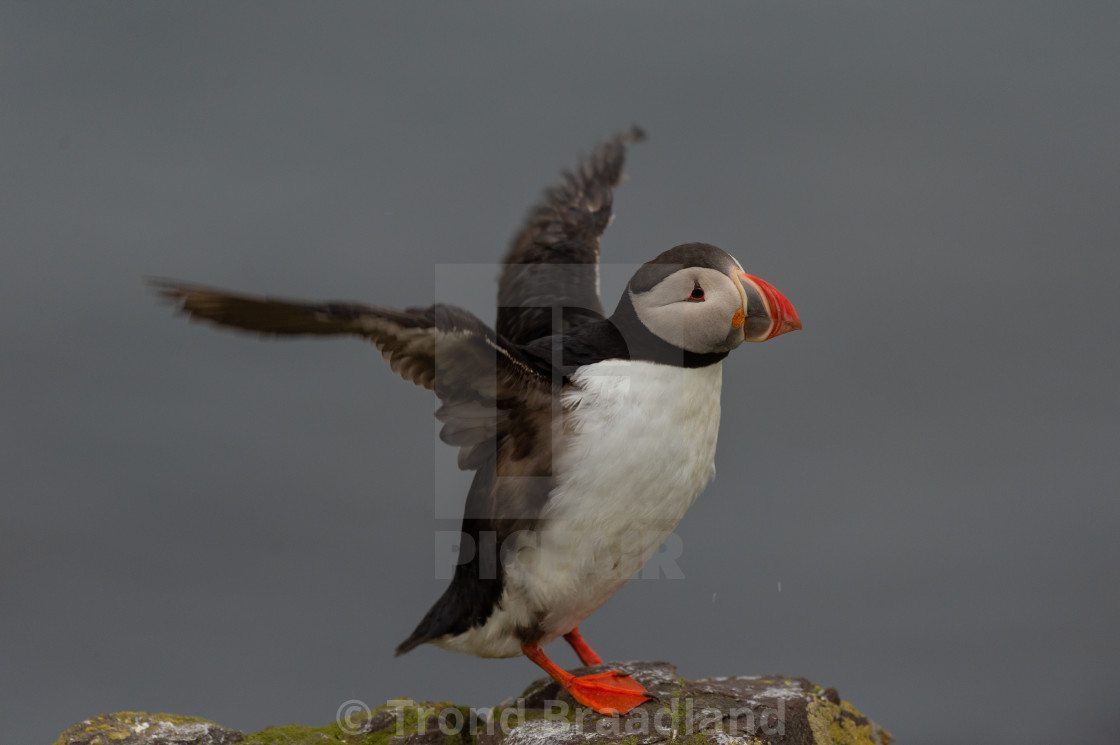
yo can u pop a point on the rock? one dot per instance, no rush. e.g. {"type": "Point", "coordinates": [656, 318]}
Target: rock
{"type": "Point", "coordinates": [134, 728]}
{"type": "Point", "coordinates": [401, 721]}
{"type": "Point", "coordinates": [752, 710]}
{"type": "Point", "coordinates": [742, 709]}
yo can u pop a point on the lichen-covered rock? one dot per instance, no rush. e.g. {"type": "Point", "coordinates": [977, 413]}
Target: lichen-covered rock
{"type": "Point", "coordinates": [399, 722]}
{"type": "Point", "coordinates": [754, 710]}
{"type": "Point", "coordinates": [134, 728]}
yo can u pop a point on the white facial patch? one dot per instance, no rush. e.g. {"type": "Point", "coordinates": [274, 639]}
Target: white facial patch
{"type": "Point", "coordinates": [700, 326]}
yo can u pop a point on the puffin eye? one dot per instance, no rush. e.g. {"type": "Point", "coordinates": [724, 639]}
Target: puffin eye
{"type": "Point", "coordinates": [697, 293]}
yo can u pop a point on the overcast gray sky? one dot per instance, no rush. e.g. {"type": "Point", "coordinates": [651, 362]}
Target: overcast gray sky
{"type": "Point", "coordinates": [917, 495]}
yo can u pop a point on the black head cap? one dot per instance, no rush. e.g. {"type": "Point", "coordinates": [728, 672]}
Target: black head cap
{"type": "Point", "coordinates": [678, 257]}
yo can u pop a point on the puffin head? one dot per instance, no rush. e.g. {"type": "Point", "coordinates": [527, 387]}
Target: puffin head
{"type": "Point", "coordinates": [697, 298]}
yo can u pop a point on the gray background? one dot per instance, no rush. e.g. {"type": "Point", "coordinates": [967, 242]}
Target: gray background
{"type": "Point", "coordinates": [200, 523]}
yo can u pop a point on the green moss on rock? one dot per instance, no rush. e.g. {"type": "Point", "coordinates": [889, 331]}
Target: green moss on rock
{"type": "Point", "coordinates": [399, 722]}
{"type": "Point", "coordinates": [841, 723]}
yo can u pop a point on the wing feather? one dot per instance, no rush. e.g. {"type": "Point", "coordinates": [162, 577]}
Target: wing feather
{"type": "Point", "coordinates": [554, 259]}
{"type": "Point", "coordinates": [478, 377]}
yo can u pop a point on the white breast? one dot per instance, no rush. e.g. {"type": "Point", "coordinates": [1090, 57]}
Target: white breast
{"type": "Point", "coordinates": [636, 447]}
{"type": "Point", "coordinates": [639, 447]}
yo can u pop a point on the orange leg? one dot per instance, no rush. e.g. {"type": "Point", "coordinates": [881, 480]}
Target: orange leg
{"type": "Point", "coordinates": [611, 693]}
{"type": "Point", "coordinates": [586, 654]}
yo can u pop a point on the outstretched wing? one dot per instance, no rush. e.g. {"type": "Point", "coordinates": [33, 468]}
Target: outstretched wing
{"type": "Point", "coordinates": [485, 386]}
{"type": "Point", "coordinates": [554, 260]}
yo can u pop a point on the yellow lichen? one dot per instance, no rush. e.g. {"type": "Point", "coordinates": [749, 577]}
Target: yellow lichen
{"type": "Point", "coordinates": [843, 724]}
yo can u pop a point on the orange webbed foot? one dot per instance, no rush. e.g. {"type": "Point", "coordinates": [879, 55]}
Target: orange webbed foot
{"type": "Point", "coordinates": [610, 693]}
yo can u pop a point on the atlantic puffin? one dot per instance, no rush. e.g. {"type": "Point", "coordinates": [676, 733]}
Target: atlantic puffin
{"type": "Point", "coordinates": [589, 435]}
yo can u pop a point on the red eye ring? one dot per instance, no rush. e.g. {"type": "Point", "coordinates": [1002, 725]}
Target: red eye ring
{"type": "Point", "coordinates": [697, 295]}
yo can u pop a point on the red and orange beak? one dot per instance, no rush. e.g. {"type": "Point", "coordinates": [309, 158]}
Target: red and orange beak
{"type": "Point", "coordinates": [768, 313]}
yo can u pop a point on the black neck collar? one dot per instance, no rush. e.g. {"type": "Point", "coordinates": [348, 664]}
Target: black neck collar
{"type": "Point", "coordinates": [621, 337]}
{"type": "Point", "coordinates": [643, 344]}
